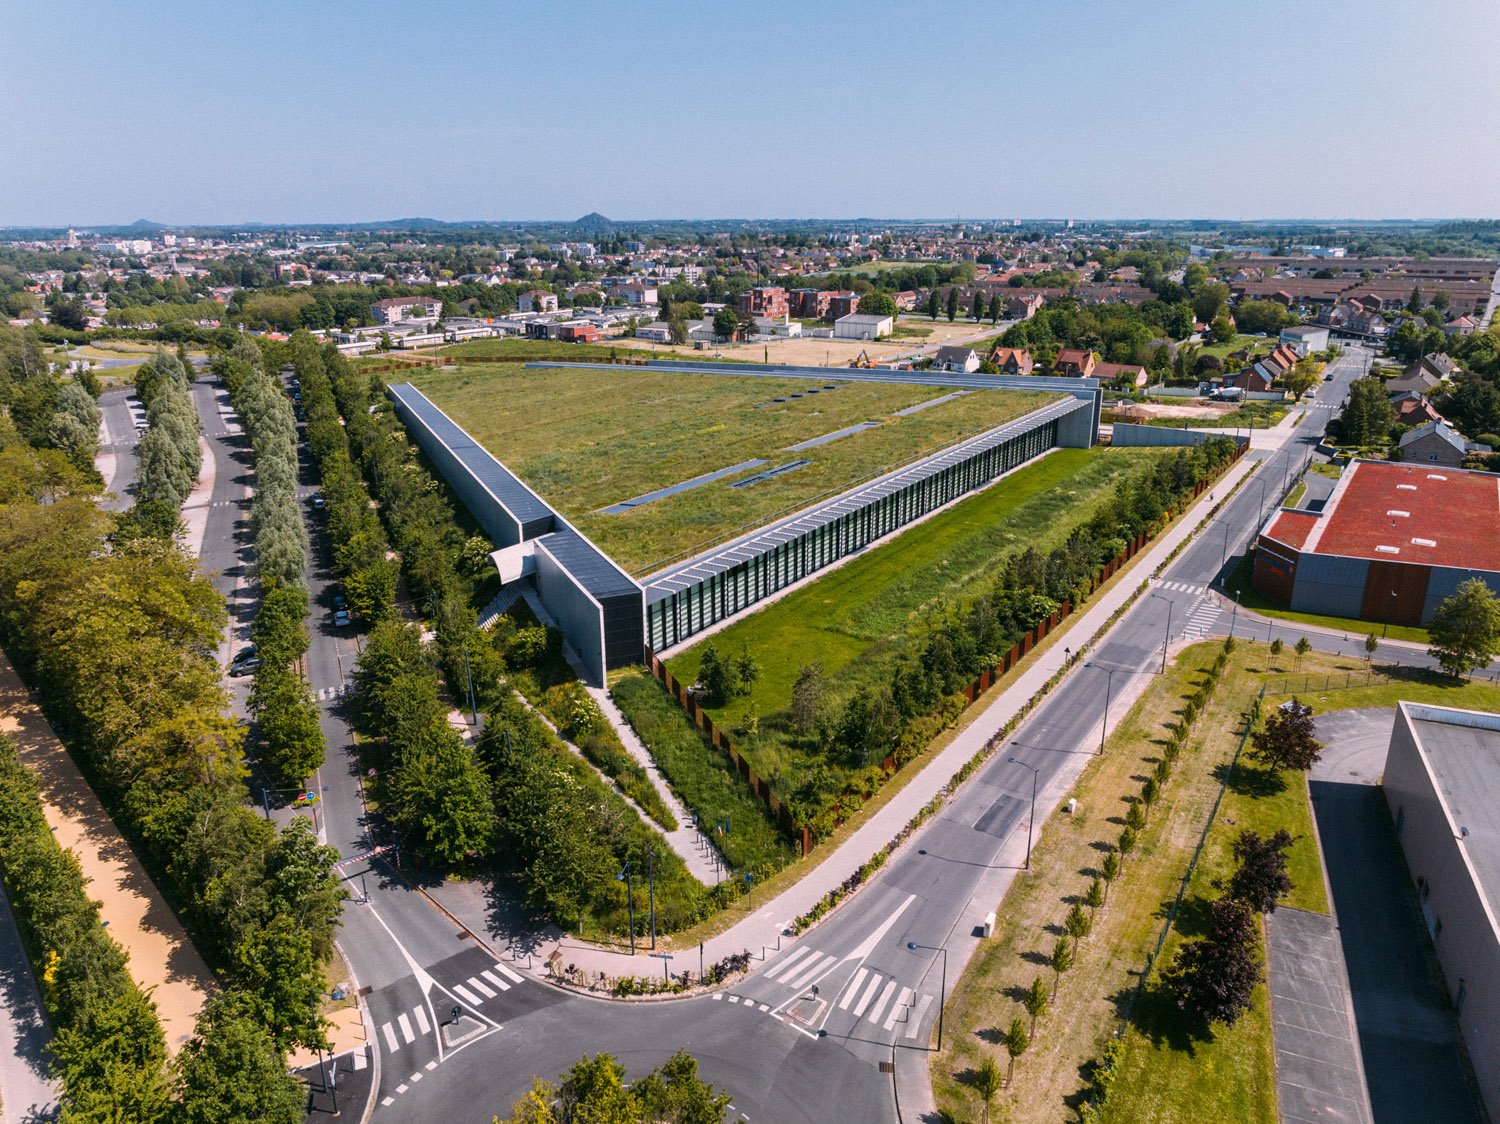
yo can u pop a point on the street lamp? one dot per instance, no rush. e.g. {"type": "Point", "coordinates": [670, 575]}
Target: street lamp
{"type": "Point", "coordinates": [1387, 622]}
{"type": "Point", "coordinates": [624, 876]}
{"type": "Point", "coordinates": [1034, 774]}
{"type": "Point", "coordinates": [942, 986]}
{"type": "Point", "coordinates": [1234, 616]}
{"type": "Point", "coordinates": [1109, 683]}
{"type": "Point", "coordinates": [1166, 635]}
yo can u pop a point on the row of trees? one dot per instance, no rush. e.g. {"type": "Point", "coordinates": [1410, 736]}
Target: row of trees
{"type": "Point", "coordinates": [899, 716]}
{"type": "Point", "coordinates": [48, 412]}
{"type": "Point", "coordinates": [170, 457]}
{"type": "Point", "coordinates": [118, 638]}
{"type": "Point", "coordinates": [594, 1091]}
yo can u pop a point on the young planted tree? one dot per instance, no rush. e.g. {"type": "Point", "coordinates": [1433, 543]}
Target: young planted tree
{"type": "Point", "coordinates": [1276, 647]}
{"type": "Point", "coordinates": [1094, 898]}
{"type": "Point", "coordinates": [977, 311]}
{"type": "Point", "coordinates": [934, 305]}
{"type": "Point", "coordinates": [1372, 643]}
{"type": "Point", "coordinates": [1060, 961]}
{"type": "Point", "coordinates": [1077, 923]}
{"type": "Point", "coordinates": [1037, 1000]}
{"type": "Point", "coordinates": [1466, 629]}
{"type": "Point", "coordinates": [988, 1082]}
{"type": "Point", "coordinates": [1261, 878]}
{"type": "Point", "coordinates": [1214, 977]}
{"type": "Point", "coordinates": [1126, 843]}
{"type": "Point", "coordinates": [1150, 791]}
{"type": "Point", "coordinates": [995, 309]}
{"type": "Point", "coordinates": [1304, 645]}
{"type": "Point", "coordinates": [1109, 870]}
{"type": "Point", "coordinates": [1135, 818]}
{"type": "Point", "coordinates": [809, 693]}
{"type": "Point", "coordinates": [1286, 740]}
{"type": "Point", "coordinates": [1016, 1042]}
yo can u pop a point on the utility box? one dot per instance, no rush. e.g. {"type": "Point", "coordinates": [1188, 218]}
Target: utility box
{"type": "Point", "coordinates": [1072, 804]}
{"type": "Point", "coordinates": [989, 925]}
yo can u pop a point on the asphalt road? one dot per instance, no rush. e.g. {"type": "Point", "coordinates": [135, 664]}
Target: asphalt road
{"type": "Point", "coordinates": [29, 1095]}
{"type": "Point", "coordinates": [121, 412]}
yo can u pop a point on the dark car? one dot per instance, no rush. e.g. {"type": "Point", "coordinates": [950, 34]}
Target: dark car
{"type": "Point", "coordinates": [245, 666]}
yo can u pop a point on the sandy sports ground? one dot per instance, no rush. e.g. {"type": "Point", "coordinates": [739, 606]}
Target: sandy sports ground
{"type": "Point", "coordinates": [161, 959]}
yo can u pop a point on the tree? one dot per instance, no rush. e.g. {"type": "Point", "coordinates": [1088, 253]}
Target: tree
{"type": "Point", "coordinates": [1135, 818]}
{"type": "Point", "coordinates": [1210, 301]}
{"type": "Point", "coordinates": [1109, 870]}
{"type": "Point", "coordinates": [1372, 642]}
{"type": "Point", "coordinates": [1260, 316]}
{"type": "Point", "coordinates": [952, 303]}
{"type": "Point", "coordinates": [1060, 961]}
{"type": "Point", "coordinates": [719, 675]}
{"type": "Point", "coordinates": [1016, 1042]}
{"type": "Point", "coordinates": [977, 311]}
{"type": "Point", "coordinates": [1261, 879]}
{"type": "Point", "coordinates": [1465, 629]}
{"type": "Point", "coordinates": [594, 1092]}
{"type": "Point", "coordinates": [1414, 303]}
{"type": "Point", "coordinates": [995, 308]}
{"type": "Point", "coordinates": [808, 696]}
{"type": "Point", "coordinates": [1303, 646]}
{"type": "Point", "coordinates": [676, 1093]}
{"type": "Point", "coordinates": [439, 798]}
{"type": "Point", "coordinates": [231, 1070]}
{"type": "Point", "coordinates": [746, 670]}
{"type": "Point", "coordinates": [1126, 843]}
{"type": "Point", "coordinates": [1368, 417]}
{"type": "Point", "coordinates": [1286, 740]}
{"type": "Point", "coordinates": [726, 323]}
{"type": "Point", "coordinates": [934, 304]}
{"type": "Point", "coordinates": [876, 303]}
{"type": "Point", "coordinates": [1276, 647]}
{"type": "Point", "coordinates": [1036, 1002]}
{"type": "Point", "coordinates": [1094, 897]}
{"type": "Point", "coordinates": [1222, 329]}
{"type": "Point", "coordinates": [1077, 923]}
{"type": "Point", "coordinates": [987, 1082]}
{"type": "Point", "coordinates": [1215, 976]}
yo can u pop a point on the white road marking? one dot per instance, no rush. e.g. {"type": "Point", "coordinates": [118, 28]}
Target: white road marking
{"type": "Point", "coordinates": [885, 997]}
{"type": "Point", "coordinates": [718, 997]}
{"type": "Point", "coordinates": [414, 1078]}
{"type": "Point", "coordinates": [734, 999]}
{"type": "Point", "coordinates": [406, 1031]}
{"type": "Point", "coordinates": [487, 992]}
{"type": "Point", "coordinates": [431, 1066]}
{"type": "Point", "coordinates": [918, 1015]}
{"type": "Point", "coordinates": [421, 1013]}
{"type": "Point", "coordinates": [507, 973]}
{"type": "Point", "coordinates": [786, 962]}
{"type": "Point", "coordinates": [390, 1037]}
{"type": "Point", "coordinates": [807, 970]}
{"type": "Point", "coordinates": [467, 996]}
{"type": "Point", "coordinates": [864, 1000]}
{"type": "Point", "coordinates": [360, 1060]}
{"type": "Point", "coordinates": [853, 989]}
{"type": "Point", "coordinates": [401, 1088]}
{"type": "Point", "coordinates": [496, 980]}
{"type": "Point", "coordinates": [386, 1102]}
{"type": "Point", "coordinates": [899, 1007]}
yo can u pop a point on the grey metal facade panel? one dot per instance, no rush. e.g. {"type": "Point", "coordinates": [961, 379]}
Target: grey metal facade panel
{"type": "Point", "coordinates": [586, 562]}
{"type": "Point", "coordinates": [1330, 585]}
{"type": "Point", "coordinates": [531, 512]}
{"type": "Point", "coordinates": [579, 616]}
{"type": "Point", "coordinates": [1443, 582]}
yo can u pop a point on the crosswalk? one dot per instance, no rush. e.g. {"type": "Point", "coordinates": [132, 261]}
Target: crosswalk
{"type": "Point", "coordinates": [870, 995]}
{"type": "Point", "coordinates": [408, 1026]}
{"type": "Point", "coordinates": [1200, 621]}
{"type": "Point", "coordinates": [328, 694]}
{"type": "Point", "coordinates": [1180, 587]}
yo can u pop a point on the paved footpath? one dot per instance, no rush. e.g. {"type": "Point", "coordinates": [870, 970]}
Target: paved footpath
{"type": "Point", "coordinates": [766, 926]}
{"type": "Point", "coordinates": [27, 1094]}
{"type": "Point", "coordinates": [161, 959]}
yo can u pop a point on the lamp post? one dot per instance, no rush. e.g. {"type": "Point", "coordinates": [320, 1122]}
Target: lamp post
{"type": "Point", "coordinates": [651, 884]}
{"type": "Point", "coordinates": [1235, 616]}
{"type": "Point", "coordinates": [1034, 773]}
{"type": "Point", "coordinates": [942, 986]}
{"type": "Point", "coordinates": [624, 876]}
{"type": "Point", "coordinates": [1166, 636]}
{"type": "Point", "coordinates": [1109, 683]}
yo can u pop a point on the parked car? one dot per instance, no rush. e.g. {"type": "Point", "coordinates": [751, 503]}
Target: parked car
{"type": "Point", "coordinates": [340, 601]}
{"type": "Point", "coordinates": [317, 500]}
{"type": "Point", "coordinates": [244, 667]}
{"type": "Point", "coordinates": [341, 618]}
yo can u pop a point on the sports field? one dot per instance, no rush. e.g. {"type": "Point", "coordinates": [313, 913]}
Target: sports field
{"type": "Point", "coordinates": [586, 440]}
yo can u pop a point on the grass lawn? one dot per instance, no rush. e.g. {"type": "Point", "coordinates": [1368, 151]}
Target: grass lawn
{"type": "Point", "coordinates": [552, 349]}
{"type": "Point", "coordinates": [1259, 345]}
{"type": "Point", "coordinates": [1326, 468]}
{"type": "Point", "coordinates": [589, 439]}
{"type": "Point", "coordinates": [1251, 598]}
{"type": "Point", "coordinates": [856, 619]}
{"type": "Point", "coordinates": [1299, 489]}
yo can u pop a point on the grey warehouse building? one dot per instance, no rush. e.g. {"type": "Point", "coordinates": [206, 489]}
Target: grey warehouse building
{"type": "Point", "coordinates": [1442, 783]}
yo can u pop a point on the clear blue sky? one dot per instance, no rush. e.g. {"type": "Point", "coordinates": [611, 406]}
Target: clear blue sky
{"type": "Point", "coordinates": [325, 111]}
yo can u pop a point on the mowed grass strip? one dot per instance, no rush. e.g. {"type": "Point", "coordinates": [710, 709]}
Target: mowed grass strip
{"type": "Point", "coordinates": [857, 619]}
{"type": "Point", "coordinates": [586, 439]}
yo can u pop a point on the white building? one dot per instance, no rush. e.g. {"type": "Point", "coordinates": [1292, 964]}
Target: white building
{"type": "Point", "coordinates": [414, 309]}
{"type": "Point", "coordinates": [659, 331]}
{"type": "Point", "coordinates": [537, 300]}
{"type": "Point", "coordinates": [862, 326]}
{"type": "Point", "coordinates": [1305, 339]}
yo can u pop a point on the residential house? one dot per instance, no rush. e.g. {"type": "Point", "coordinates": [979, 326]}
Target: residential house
{"type": "Point", "coordinates": [1462, 326]}
{"type": "Point", "coordinates": [1436, 363]}
{"type": "Point", "coordinates": [393, 310]}
{"type": "Point", "coordinates": [1013, 360]}
{"type": "Point", "coordinates": [1254, 377]}
{"type": "Point", "coordinates": [964, 359]}
{"type": "Point", "coordinates": [1023, 306]}
{"type": "Point", "coordinates": [1074, 362]}
{"type": "Point", "coordinates": [1437, 442]}
{"type": "Point", "coordinates": [1130, 374]}
{"type": "Point", "coordinates": [537, 300]}
{"type": "Point", "coordinates": [1412, 408]}
{"type": "Point", "coordinates": [1416, 380]}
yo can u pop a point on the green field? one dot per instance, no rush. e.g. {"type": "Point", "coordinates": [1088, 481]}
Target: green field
{"type": "Point", "coordinates": [586, 439]}
{"type": "Point", "coordinates": [856, 620]}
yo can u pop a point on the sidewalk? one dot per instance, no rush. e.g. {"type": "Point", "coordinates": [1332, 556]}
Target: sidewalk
{"type": "Point", "coordinates": [161, 959]}
{"type": "Point", "coordinates": [765, 926]}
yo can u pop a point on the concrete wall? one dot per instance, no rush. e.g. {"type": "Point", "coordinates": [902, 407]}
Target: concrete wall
{"type": "Point", "coordinates": [1463, 932]}
{"type": "Point", "coordinates": [1131, 434]}
{"type": "Point", "coordinates": [580, 617]}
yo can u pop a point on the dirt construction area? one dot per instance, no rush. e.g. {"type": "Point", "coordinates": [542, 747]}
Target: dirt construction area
{"type": "Point", "coordinates": [161, 959]}
{"type": "Point", "coordinates": [839, 353]}
{"type": "Point", "coordinates": [1140, 411]}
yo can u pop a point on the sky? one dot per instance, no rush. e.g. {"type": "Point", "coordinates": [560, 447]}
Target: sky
{"type": "Point", "coordinates": [286, 112]}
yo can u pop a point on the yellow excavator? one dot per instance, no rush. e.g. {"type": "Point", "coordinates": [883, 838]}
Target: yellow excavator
{"type": "Point", "coordinates": [863, 361]}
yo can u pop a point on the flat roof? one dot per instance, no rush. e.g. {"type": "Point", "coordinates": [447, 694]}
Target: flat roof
{"type": "Point", "coordinates": [1462, 748]}
{"type": "Point", "coordinates": [1396, 512]}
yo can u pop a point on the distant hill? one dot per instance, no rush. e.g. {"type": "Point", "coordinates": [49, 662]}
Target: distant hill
{"type": "Point", "coordinates": [593, 221]}
{"type": "Point", "coordinates": [145, 224]}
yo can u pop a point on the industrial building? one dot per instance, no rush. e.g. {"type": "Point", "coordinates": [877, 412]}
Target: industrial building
{"type": "Point", "coordinates": [1390, 544]}
{"type": "Point", "coordinates": [1442, 784]}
